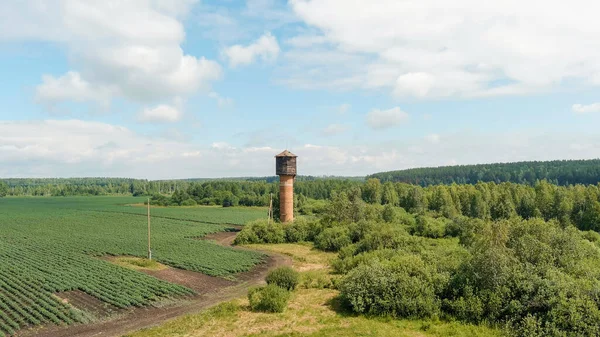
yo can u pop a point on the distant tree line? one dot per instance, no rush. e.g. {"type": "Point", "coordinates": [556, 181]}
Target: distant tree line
{"type": "Point", "coordinates": [574, 204]}
{"type": "Point", "coordinates": [225, 192]}
{"type": "Point", "coordinates": [559, 172]}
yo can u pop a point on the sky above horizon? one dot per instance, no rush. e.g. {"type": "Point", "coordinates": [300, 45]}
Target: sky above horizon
{"type": "Point", "coordinates": [162, 89]}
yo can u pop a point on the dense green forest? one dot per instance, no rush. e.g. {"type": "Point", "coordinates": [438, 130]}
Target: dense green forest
{"type": "Point", "coordinates": [522, 258]}
{"type": "Point", "coordinates": [559, 172]}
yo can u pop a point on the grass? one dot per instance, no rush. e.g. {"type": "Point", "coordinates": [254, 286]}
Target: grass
{"type": "Point", "coordinates": [312, 311]}
{"type": "Point", "coordinates": [305, 257]}
{"type": "Point", "coordinates": [137, 263]}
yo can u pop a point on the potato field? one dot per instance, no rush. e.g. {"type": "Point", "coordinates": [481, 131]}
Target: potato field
{"type": "Point", "coordinates": [51, 245]}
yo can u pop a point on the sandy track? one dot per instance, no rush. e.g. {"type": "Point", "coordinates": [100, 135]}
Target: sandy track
{"type": "Point", "coordinates": [211, 291]}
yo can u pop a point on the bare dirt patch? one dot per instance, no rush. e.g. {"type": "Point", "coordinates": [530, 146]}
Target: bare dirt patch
{"type": "Point", "coordinates": [198, 282]}
{"type": "Point", "coordinates": [225, 238]}
{"type": "Point", "coordinates": [210, 291]}
{"type": "Point", "coordinates": [88, 303]}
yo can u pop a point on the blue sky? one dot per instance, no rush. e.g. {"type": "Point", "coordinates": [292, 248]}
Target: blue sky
{"type": "Point", "coordinates": [176, 89]}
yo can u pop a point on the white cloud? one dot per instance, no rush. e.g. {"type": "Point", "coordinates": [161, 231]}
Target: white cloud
{"type": "Point", "coordinates": [433, 138]}
{"type": "Point", "coordinates": [266, 48]}
{"type": "Point", "coordinates": [468, 49]}
{"type": "Point", "coordinates": [383, 119]}
{"type": "Point", "coordinates": [71, 87]}
{"type": "Point", "coordinates": [128, 49]}
{"type": "Point", "coordinates": [334, 129]}
{"type": "Point", "coordinates": [342, 109]}
{"type": "Point", "coordinates": [222, 102]}
{"type": "Point", "coordinates": [306, 41]}
{"type": "Point", "coordinates": [160, 114]}
{"type": "Point", "coordinates": [584, 109]}
{"type": "Point", "coordinates": [62, 148]}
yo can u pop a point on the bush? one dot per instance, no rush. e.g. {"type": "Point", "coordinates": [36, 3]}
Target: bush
{"type": "Point", "coordinates": [386, 236]}
{"type": "Point", "coordinates": [189, 202]}
{"type": "Point", "coordinates": [268, 299]}
{"type": "Point", "coordinates": [591, 236]}
{"type": "Point", "coordinates": [283, 277]}
{"type": "Point", "coordinates": [333, 239]}
{"type": "Point", "coordinates": [403, 289]}
{"type": "Point", "coordinates": [260, 231]}
{"type": "Point", "coordinates": [297, 231]}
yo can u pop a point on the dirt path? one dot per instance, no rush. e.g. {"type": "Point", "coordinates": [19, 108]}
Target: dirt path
{"type": "Point", "coordinates": [210, 291]}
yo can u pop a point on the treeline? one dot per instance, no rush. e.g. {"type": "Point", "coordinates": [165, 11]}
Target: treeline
{"type": "Point", "coordinates": [251, 191]}
{"type": "Point", "coordinates": [575, 204]}
{"type": "Point", "coordinates": [559, 172]}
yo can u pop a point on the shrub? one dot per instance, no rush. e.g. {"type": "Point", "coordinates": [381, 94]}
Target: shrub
{"type": "Point", "coordinates": [283, 277]}
{"type": "Point", "coordinates": [189, 202]}
{"type": "Point", "coordinates": [268, 299]}
{"type": "Point", "coordinates": [259, 231]}
{"type": "Point", "coordinates": [386, 236]}
{"type": "Point", "coordinates": [297, 231]}
{"type": "Point", "coordinates": [404, 289]}
{"type": "Point", "coordinates": [333, 239]}
{"type": "Point", "coordinates": [359, 230]}
{"type": "Point", "coordinates": [591, 236]}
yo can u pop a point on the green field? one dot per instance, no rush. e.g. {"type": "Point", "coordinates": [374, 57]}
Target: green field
{"type": "Point", "coordinates": [49, 245]}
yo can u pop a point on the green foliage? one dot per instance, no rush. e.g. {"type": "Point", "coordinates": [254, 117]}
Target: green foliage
{"type": "Point", "coordinates": [189, 202]}
{"type": "Point", "coordinates": [430, 227]}
{"type": "Point", "coordinates": [403, 288]}
{"type": "Point", "coordinates": [3, 189]}
{"type": "Point", "coordinates": [284, 277]}
{"type": "Point", "coordinates": [333, 239]}
{"type": "Point", "coordinates": [560, 172]}
{"type": "Point", "coordinates": [268, 299]}
{"type": "Point", "coordinates": [261, 231]}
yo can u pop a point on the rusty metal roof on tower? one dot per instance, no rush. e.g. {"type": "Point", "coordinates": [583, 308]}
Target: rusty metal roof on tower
{"type": "Point", "coordinates": [286, 153]}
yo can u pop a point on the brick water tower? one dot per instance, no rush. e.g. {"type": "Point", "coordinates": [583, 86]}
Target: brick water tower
{"type": "Point", "coordinates": [285, 167]}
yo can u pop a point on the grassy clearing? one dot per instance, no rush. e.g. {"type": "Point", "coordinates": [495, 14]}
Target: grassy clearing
{"type": "Point", "coordinates": [304, 255]}
{"type": "Point", "coordinates": [311, 312]}
{"type": "Point", "coordinates": [314, 310]}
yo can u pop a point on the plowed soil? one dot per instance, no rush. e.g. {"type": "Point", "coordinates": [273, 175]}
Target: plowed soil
{"type": "Point", "coordinates": [210, 291]}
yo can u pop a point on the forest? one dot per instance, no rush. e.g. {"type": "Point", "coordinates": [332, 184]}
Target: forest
{"type": "Point", "coordinates": [559, 172]}
{"type": "Point", "coordinates": [524, 259]}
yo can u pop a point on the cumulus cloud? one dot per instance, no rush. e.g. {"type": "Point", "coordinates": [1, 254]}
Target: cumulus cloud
{"type": "Point", "coordinates": [585, 109]}
{"type": "Point", "coordinates": [334, 129]}
{"type": "Point", "coordinates": [383, 119]}
{"type": "Point", "coordinates": [71, 87]}
{"type": "Point", "coordinates": [265, 48]}
{"type": "Point", "coordinates": [468, 49]}
{"type": "Point", "coordinates": [128, 49]}
{"type": "Point", "coordinates": [62, 148]}
{"type": "Point", "coordinates": [160, 114]}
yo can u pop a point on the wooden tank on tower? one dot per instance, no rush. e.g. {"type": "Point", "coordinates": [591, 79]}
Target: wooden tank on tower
{"type": "Point", "coordinates": [285, 168]}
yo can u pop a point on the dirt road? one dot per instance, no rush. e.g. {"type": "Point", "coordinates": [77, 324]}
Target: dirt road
{"type": "Point", "coordinates": [210, 291]}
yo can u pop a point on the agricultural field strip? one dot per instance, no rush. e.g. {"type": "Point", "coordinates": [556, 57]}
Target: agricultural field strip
{"type": "Point", "coordinates": [45, 248]}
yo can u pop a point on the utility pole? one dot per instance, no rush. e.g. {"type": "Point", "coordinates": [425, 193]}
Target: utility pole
{"type": "Point", "coordinates": [270, 214]}
{"type": "Point", "coordinates": [149, 250]}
